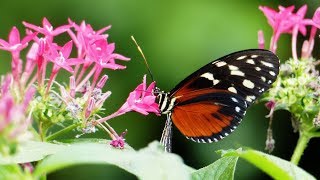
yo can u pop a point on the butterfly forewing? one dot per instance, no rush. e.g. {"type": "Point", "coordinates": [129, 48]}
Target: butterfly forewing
{"type": "Point", "coordinates": [210, 103]}
{"type": "Point", "coordinates": [248, 73]}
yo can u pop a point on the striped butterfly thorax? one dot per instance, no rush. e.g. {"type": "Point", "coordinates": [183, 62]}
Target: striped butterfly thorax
{"type": "Point", "coordinates": [211, 102]}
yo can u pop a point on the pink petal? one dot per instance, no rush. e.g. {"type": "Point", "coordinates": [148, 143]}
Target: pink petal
{"type": "Point", "coordinates": [33, 27]}
{"type": "Point", "coordinates": [114, 66]}
{"type": "Point", "coordinates": [28, 38]}
{"type": "Point", "coordinates": [110, 48]}
{"type": "Point", "coordinates": [150, 88]}
{"type": "Point", "coordinates": [74, 61]}
{"type": "Point", "coordinates": [100, 31]}
{"type": "Point", "coordinates": [120, 57]}
{"type": "Point", "coordinates": [61, 29]}
{"type": "Point", "coordinates": [33, 52]}
{"type": "Point", "coordinates": [302, 11]}
{"type": "Point", "coordinates": [139, 110]}
{"type": "Point", "coordinates": [14, 36]}
{"type": "Point", "coordinates": [46, 23]}
{"type": "Point", "coordinates": [316, 16]}
{"type": "Point", "coordinates": [66, 49]}
{"type": "Point", "coordinates": [4, 43]}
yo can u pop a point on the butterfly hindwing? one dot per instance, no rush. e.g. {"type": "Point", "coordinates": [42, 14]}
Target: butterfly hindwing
{"type": "Point", "coordinates": [204, 116]}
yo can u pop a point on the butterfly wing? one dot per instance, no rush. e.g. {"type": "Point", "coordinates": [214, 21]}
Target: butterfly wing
{"type": "Point", "coordinates": [248, 73]}
{"type": "Point", "coordinates": [211, 102]}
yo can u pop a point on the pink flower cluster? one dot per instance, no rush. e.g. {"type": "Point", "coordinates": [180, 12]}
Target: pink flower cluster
{"type": "Point", "coordinates": [286, 21]}
{"type": "Point", "coordinates": [84, 97]}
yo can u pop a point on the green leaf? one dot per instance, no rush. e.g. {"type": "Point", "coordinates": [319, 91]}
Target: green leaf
{"type": "Point", "coordinates": [13, 171]}
{"type": "Point", "coordinates": [221, 169]}
{"type": "Point", "coordinates": [31, 151]}
{"type": "Point", "coordinates": [275, 167]}
{"type": "Point", "coordinates": [148, 163]}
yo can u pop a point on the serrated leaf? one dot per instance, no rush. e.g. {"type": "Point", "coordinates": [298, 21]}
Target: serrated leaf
{"type": "Point", "coordinates": [274, 166]}
{"type": "Point", "coordinates": [223, 168]}
{"type": "Point", "coordinates": [31, 151]}
{"type": "Point", "coordinates": [148, 163]}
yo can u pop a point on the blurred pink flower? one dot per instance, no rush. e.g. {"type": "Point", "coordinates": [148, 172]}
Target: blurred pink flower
{"type": "Point", "coordinates": [270, 105]}
{"type": "Point", "coordinates": [15, 44]}
{"type": "Point", "coordinates": [118, 141]}
{"type": "Point", "coordinates": [279, 21]}
{"type": "Point", "coordinates": [47, 29]}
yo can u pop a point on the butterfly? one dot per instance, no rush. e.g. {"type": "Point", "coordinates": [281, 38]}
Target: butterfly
{"type": "Point", "coordinates": [210, 103]}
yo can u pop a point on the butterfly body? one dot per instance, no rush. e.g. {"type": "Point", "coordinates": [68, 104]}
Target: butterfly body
{"type": "Point", "coordinates": [210, 103]}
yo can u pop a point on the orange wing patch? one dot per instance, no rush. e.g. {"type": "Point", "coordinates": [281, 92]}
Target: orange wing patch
{"type": "Point", "coordinates": [201, 119]}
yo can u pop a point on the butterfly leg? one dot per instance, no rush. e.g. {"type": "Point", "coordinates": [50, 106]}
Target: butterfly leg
{"type": "Point", "coordinates": [166, 137]}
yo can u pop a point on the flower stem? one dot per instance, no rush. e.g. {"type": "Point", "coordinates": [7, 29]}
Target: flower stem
{"type": "Point", "coordinates": [61, 132]}
{"type": "Point", "coordinates": [301, 146]}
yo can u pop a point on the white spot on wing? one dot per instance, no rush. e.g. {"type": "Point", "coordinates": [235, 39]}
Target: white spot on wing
{"type": "Point", "coordinates": [237, 109]}
{"type": "Point", "coordinates": [233, 68]}
{"type": "Point", "coordinates": [220, 63]}
{"type": "Point", "coordinates": [248, 84]}
{"type": "Point", "coordinates": [234, 99]}
{"type": "Point", "coordinates": [267, 64]}
{"type": "Point", "coordinates": [232, 89]}
{"type": "Point", "coordinates": [272, 73]}
{"type": "Point", "coordinates": [250, 61]}
{"type": "Point", "coordinates": [208, 76]}
{"type": "Point", "coordinates": [254, 56]}
{"type": "Point", "coordinates": [258, 69]}
{"type": "Point", "coordinates": [237, 73]}
{"type": "Point", "coordinates": [248, 99]}
{"type": "Point", "coordinates": [263, 78]}
{"type": "Point", "coordinates": [241, 57]}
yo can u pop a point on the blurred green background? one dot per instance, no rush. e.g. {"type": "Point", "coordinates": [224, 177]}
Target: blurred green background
{"type": "Point", "coordinates": [177, 37]}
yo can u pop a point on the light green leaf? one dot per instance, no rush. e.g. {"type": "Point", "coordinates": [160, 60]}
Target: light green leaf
{"type": "Point", "coordinates": [148, 163]}
{"type": "Point", "coordinates": [13, 171]}
{"type": "Point", "coordinates": [221, 169]}
{"type": "Point", "coordinates": [31, 151]}
{"type": "Point", "coordinates": [275, 167]}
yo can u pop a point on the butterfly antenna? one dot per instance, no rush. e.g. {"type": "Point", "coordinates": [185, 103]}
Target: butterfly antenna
{"type": "Point", "coordinates": [144, 58]}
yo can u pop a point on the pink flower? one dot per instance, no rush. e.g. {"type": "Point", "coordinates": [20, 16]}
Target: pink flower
{"type": "Point", "coordinates": [47, 29]}
{"type": "Point", "coordinates": [102, 53]}
{"type": "Point", "coordinates": [60, 58]}
{"type": "Point", "coordinates": [141, 100]}
{"type": "Point", "coordinates": [119, 141]}
{"type": "Point", "coordinates": [260, 39]}
{"type": "Point", "coordinates": [271, 105]}
{"type": "Point", "coordinates": [15, 44]}
{"type": "Point", "coordinates": [279, 21]}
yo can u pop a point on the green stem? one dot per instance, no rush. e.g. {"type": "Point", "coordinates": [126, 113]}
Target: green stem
{"type": "Point", "coordinates": [301, 146]}
{"type": "Point", "coordinates": [315, 134]}
{"type": "Point", "coordinates": [61, 132]}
